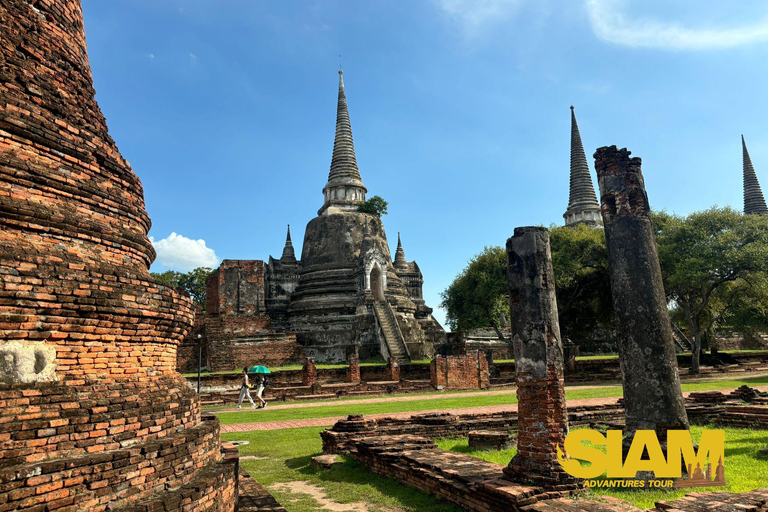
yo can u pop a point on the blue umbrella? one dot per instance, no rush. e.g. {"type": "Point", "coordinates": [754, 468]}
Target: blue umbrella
{"type": "Point", "coordinates": [259, 369]}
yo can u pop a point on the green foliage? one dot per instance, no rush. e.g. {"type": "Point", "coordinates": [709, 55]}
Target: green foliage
{"type": "Point", "coordinates": [477, 297]}
{"type": "Point", "coordinates": [191, 284]}
{"type": "Point", "coordinates": [715, 269]}
{"type": "Point", "coordinates": [582, 281]}
{"type": "Point", "coordinates": [375, 206]}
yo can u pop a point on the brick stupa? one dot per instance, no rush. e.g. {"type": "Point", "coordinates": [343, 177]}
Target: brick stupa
{"type": "Point", "coordinates": [94, 416]}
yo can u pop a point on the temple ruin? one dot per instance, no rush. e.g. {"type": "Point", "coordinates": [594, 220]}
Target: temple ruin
{"type": "Point", "coordinates": [94, 415]}
{"type": "Point", "coordinates": [583, 207]}
{"type": "Point", "coordinates": [345, 295]}
{"type": "Point", "coordinates": [652, 393]}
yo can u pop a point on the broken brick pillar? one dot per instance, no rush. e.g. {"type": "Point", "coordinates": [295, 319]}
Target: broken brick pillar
{"type": "Point", "coordinates": [653, 399]}
{"type": "Point", "coordinates": [437, 373]}
{"type": "Point", "coordinates": [393, 369]}
{"type": "Point", "coordinates": [353, 370]}
{"type": "Point", "coordinates": [483, 373]}
{"type": "Point", "coordinates": [309, 372]}
{"type": "Point", "coordinates": [542, 415]}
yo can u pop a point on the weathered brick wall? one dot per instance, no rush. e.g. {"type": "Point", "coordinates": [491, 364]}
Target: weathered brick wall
{"type": "Point", "coordinates": [238, 330]}
{"type": "Point", "coordinates": [93, 414]}
{"type": "Point", "coordinates": [468, 371]}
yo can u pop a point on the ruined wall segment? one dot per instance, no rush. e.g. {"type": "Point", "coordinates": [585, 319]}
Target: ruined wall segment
{"type": "Point", "coordinates": [543, 418]}
{"type": "Point", "coordinates": [88, 339]}
{"type": "Point", "coordinates": [652, 394]}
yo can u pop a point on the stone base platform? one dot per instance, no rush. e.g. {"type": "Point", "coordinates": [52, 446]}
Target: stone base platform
{"type": "Point", "coordinates": [489, 440]}
{"type": "Point", "coordinates": [471, 483]}
{"type": "Point", "coordinates": [476, 485]}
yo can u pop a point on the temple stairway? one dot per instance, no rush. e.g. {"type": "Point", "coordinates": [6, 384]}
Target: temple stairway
{"type": "Point", "coordinates": [392, 335]}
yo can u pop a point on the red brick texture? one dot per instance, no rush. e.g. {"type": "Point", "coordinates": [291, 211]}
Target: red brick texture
{"type": "Point", "coordinates": [100, 419]}
{"type": "Point", "coordinates": [468, 371]}
{"type": "Point", "coordinates": [238, 331]}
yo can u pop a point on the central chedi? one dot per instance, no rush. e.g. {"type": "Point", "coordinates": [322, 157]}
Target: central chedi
{"type": "Point", "coordinates": [345, 296]}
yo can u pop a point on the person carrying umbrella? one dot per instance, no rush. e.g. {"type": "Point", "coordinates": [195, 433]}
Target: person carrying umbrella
{"type": "Point", "coordinates": [245, 391]}
{"type": "Point", "coordinates": [261, 371]}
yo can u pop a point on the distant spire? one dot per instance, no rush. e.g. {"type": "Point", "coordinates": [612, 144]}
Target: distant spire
{"type": "Point", "coordinates": [754, 202]}
{"type": "Point", "coordinates": [345, 186]}
{"type": "Point", "coordinates": [582, 201]}
{"type": "Point", "coordinates": [288, 255]}
{"type": "Point", "coordinates": [400, 261]}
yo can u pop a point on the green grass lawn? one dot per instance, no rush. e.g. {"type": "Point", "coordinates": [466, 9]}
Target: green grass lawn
{"type": "Point", "coordinates": [447, 401]}
{"type": "Point", "coordinates": [288, 454]}
{"type": "Point", "coordinates": [745, 469]}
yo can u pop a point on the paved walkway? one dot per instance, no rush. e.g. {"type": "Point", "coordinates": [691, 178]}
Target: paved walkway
{"type": "Point", "coordinates": [488, 409]}
{"type": "Point", "coordinates": [439, 396]}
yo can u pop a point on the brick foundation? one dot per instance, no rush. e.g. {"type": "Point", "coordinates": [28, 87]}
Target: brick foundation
{"type": "Point", "coordinates": [94, 416]}
{"type": "Point", "coordinates": [468, 371]}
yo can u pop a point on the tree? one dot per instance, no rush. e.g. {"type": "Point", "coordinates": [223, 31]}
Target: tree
{"type": "Point", "coordinates": [477, 296]}
{"type": "Point", "coordinates": [375, 206]}
{"type": "Point", "coordinates": [714, 266]}
{"type": "Point", "coordinates": [191, 284]}
{"type": "Point", "coordinates": [582, 281]}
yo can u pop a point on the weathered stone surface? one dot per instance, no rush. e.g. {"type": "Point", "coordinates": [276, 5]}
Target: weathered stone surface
{"type": "Point", "coordinates": [652, 392]}
{"type": "Point", "coordinates": [543, 419]}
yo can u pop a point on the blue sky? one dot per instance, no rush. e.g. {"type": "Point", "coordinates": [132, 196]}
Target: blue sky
{"type": "Point", "coordinates": [459, 110]}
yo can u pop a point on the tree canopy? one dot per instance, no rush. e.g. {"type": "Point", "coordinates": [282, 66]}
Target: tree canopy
{"type": "Point", "coordinates": [191, 284]}
{"type": "Point", "coordinates": [477, 296]}
{"type": "Point", "coordinates": [715, 269]}
{"type": "Point", "coordinates": [582, 281]}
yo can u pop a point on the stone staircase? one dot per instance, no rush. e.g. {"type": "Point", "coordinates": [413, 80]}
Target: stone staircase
{"type": "Point", "coordinates": [682, 343]}
{"type": "Point", "coordinates": [392, 335]}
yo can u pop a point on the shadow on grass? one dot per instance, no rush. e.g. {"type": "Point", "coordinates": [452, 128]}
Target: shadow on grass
{"type": "Point", "coordinates": [352, 472]}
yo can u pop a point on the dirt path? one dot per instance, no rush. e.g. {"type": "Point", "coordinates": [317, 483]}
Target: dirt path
{"type": "Point", "coordinates": [328, 422]}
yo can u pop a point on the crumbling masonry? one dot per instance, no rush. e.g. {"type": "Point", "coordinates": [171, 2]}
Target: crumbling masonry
{"type": "Point", "coordinates": [94, 416]}
{"type": "Point", "coordinates": [543, 419]}
{"type": "Point", "coordinates": [652, 394]}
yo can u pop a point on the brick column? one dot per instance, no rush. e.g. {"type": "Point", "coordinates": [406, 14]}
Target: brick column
{"type": "Point", "coordinates": [353, 370]}
{"type": "Point", "coordinates": [309, 372]}
{"type": "Point", "coordinates": [542, 416]}
{"type": "Point", "coordinates": [653, 399]}
{"type": "Point", "coordinates": [437, 373]}
{"type": "Point", "coordinates": [393, 369]}
{"type": "Point", "coordinates": [483, 373]}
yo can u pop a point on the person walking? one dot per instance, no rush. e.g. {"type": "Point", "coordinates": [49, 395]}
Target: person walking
{"type": "Point", "coordinates": [245, 390]}
{"type": "Point", "coordinates": [260, 390]}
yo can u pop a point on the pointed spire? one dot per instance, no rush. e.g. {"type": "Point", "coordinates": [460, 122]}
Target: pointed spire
{"type": "Point", "coordinates": [400, 261]}
{"type": "Point", "coordinates": [345, 186]}
{"type": "Point", "coordinates": [289, 256]}
{"type": "Point", "coordinates": [582, 201]}
{"type": "Point", "coordinates": [754, 201]}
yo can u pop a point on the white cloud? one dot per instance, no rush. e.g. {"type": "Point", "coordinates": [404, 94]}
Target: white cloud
{"type": "Point", "coordinates": [151, 56]}
{"type": "Point", "coordinates": [473, 14]}
{"type": "Point", "coordinates": [192, 59]}
{"type": "Point", "coordinates": [184, 254]}
{"type": "Point", "coordinates": [610, 24]}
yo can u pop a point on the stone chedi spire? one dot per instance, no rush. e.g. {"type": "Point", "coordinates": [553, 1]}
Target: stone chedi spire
{"type": "Point", "coordinates": [583, 207]}
{"type": "Point", "coordinates": [754, 201]}
{"type": "Point", "coordinates": [345, 189]}
{"type": "Point", "coordinates": [400, 261]}
{"type": "Point", "coordinates": [289, 256]}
